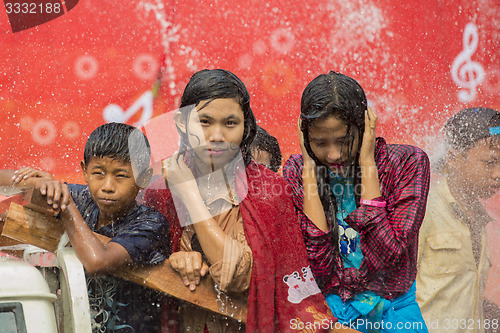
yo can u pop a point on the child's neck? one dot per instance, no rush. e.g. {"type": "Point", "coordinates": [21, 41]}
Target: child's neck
{"type": "Point", "coordinates": [109, 219]}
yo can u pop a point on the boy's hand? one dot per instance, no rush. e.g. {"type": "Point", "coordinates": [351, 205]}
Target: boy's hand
{"type": "Point", "coordinates": [28, 172]}
{"type": "Point", "coordinates": [190, 266]}
{"type": "Point", "coordinates": [57, 193]}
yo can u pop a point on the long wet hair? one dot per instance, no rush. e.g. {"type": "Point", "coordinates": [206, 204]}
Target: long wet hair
{"type": "Point", "coordinates": [208, 85]}
{"type": "Point", "coordinates": [337, 95]}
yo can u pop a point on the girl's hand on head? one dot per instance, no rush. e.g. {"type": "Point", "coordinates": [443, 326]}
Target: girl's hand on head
{"type": "Point", "coordinates": [308, 161]}
{"type": "Point", "coordinates": [178, 177]}
{"type": "Point", "coordinates": [28, 172]}
{"type": "Point", "coordinates": [367, 151]}
{"type": "Point", "coordinates": [190, 266]}
{"type": "Point", "coordinates": [175, 171]}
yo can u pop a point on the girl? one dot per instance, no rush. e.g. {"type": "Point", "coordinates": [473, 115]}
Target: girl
{"type": "Point", "coordinates": [238, 222]}
{"type": "Point", "coordinates": [361, 203]}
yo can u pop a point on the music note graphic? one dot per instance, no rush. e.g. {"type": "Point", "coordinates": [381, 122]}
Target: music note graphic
{"type": "Point", "coordinates": [115, 113]}
{"type": "Point", "coordinates": [466, 73]}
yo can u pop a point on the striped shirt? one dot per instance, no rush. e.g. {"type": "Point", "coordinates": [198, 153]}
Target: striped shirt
{"type": "Point", "coordinates": [389, 235]}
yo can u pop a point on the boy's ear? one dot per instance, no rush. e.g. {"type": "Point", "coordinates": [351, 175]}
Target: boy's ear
{"type": "Point", "coordinates": [180, 121]}
{"type": "Point", "coordinates": [84, 170]}
{"type": "Point", "coordinates": [144, 178]}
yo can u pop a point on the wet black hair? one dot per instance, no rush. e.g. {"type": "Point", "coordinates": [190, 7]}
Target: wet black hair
{"type": "Point", "coordinates": [208, 85]}
{"type": "Point", "coordinates": [121, 142]}
{"type": "Point", "coordinates": [338, 95]}
{"type": "Point", "coordinates": [266, 142]}
{"type": "Point", "coordinates": [470, 125]}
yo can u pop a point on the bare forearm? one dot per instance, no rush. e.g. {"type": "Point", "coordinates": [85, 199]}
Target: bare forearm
{"type": "Point", "coordinates": [312, 202]}
{"type": "Point", "coordinates": [6, 177]}
{"type": "Point", "coordinates": [90, 250]}
{"type": "Point", "coordinates": [370, 185]}
{"type": "Point", "coordinates": [10, 178]}
{"type": "Point", "coordinates": [209, 233]}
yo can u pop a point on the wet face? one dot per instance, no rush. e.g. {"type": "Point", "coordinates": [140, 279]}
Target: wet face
{"type": "Point", "coordinates": [112, 186]}
{"type": "Point", "coordinates": [329, 142]}
{"type": "Point", "coordinates": [216, 131]}
{"type": "Point", "coordinates": [478, 170]}
{"type": "Point", "coordinates": [262, 157]}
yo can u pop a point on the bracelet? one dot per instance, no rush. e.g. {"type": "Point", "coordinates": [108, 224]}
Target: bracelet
{"type": "Point", "coordinates": [373, 203]}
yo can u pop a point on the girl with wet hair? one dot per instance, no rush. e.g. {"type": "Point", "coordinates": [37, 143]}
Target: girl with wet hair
{"type": "Point", "coordinates": [360, 203]}
{"type": "Point", "coordinates": [208, 85]}
{"type": "Point", "coordinates": [231, 219]}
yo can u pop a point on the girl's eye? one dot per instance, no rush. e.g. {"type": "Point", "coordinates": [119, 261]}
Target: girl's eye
{"type": "Point", "coordinates": [231, 123]}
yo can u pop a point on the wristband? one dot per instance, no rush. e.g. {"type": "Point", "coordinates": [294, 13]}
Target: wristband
{"type": "Point", "coordinates": [373, 203]}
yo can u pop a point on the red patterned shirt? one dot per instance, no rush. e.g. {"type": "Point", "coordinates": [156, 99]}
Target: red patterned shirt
{"type": "Point", "coordinates": [389, 235]}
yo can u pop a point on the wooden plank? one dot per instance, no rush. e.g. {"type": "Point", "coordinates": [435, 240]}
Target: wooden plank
{"type": "Point", "coordinates": [26, 197]}
{"type": "Point", "coordinates": [28, 226]}
{"type": "Point", "coordinates": [22, 196]}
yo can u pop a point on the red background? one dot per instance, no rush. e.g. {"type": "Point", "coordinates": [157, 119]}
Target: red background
{"type": "Point", "coordinates": [57, 79]}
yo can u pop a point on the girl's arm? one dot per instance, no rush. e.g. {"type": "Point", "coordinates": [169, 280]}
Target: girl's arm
{"type": "Point", "coordinates": [229, 258]}
{"type": "Point", "coordinates": [370, 187]}
{"type": "Point", "coordinates": [181, 183]}
{"type": "Point", "coordinates": [313, 208]}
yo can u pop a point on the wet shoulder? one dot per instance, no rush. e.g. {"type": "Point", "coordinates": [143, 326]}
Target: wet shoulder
{"type": "Point", "coordinates": [292, 168]}
{"type": "Point", "coordinates": [79, 191]}
{"type": "Point", "coordinates": [399, 154]}
{"type": "Point", "coordinates": [83, 201]}
{"type": "Point", "coordinates": [147, 213]}
{"type": "Point", "coordinates": [294, 161]}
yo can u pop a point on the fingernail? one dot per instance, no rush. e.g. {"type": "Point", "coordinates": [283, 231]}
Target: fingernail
{"type": "Point", "coordinates": [192, 286]}
{"type": "Point", "coordinates": [63, 207]}
{"type": "Point", "coordinates": [197, 281]}
{"type": "Point", "coordinates": [55, 206]}
{"type": "Point", "coordinates": [186, 282]}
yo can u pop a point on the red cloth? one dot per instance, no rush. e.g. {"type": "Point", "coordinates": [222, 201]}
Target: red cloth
{"type": "Point", "coordinates": [273, 233]}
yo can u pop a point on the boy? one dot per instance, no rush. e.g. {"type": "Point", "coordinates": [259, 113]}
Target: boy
{"type": "Point", "coordinates": [453, 258]}
{"type": "Point", "coordinates": [115, 166]}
